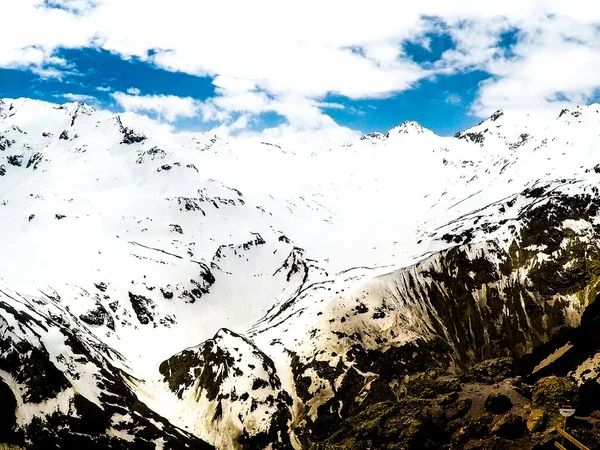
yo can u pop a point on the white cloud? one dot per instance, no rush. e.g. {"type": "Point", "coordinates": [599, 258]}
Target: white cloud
{"type": "Point", "coordinates": [286, 57]}
{"type": "Point", "coordinates": [133, 91]}
{"type": "Point", "coordinates": [167, 107]}
{"type": "Point", "coordinates": [554, 65]}
{"type": "Point", "coordinates": [453, 99]}
{"type": "Point", "coordinates": [48, 72]}
{"type": "Point", "coordinates": [79, 98]}
{"type": "Point", "coordinates": [144, 124]}
{"type": "Point", "coordinates": [290, 137]}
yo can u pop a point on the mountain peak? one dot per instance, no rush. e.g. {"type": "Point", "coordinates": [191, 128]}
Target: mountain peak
{"type": "Point", "coordinates": [74, 107]}
{"type": "Point", "coordinates": [3, 109]}
{"type": "Point", "coordinates": [408, 127]}
{"type": "Point", "coordinates": [499, 113]}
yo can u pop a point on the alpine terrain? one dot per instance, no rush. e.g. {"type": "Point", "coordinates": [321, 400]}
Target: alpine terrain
{"type": "Point", "coordinates": [400, 291]}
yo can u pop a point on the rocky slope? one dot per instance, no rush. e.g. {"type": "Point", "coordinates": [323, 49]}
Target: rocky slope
{"type": "Point", "coordinates": [401, 291]}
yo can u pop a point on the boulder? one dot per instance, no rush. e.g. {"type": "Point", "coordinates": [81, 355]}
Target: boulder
{"type": "Point", "coordinates": [537, 420]}
{"type": "Point", "coordinates": [460, 409]}
{"type": "Point", "coordinates": [552, 392]}
{"type": "Point", "coordinates": [431, 384]}
{"type": "Point", "coordinates": [448, 399]}
{"type": "Point", "coordinates": [434, 415]}
{"type": "Point", "coordinates": [472, 428]}
{"type": "Point", "coordinates": [492, 371]}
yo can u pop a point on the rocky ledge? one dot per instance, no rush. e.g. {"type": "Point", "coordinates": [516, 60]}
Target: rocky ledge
{"type": "Point", "coordinates": [491, 407]}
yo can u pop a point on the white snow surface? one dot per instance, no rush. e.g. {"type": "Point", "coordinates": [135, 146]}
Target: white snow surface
{"type": "Point", "coordinates": [92, 219]}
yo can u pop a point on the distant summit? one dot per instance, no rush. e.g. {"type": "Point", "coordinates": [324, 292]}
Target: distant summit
{"type": "Point", "coordinates": [408, 127]}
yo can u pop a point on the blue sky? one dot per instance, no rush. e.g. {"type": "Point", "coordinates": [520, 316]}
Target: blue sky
{"type": "Point", "coordinates": [441, 103]}
{"type": "Point", "coordinates": [197, 66]}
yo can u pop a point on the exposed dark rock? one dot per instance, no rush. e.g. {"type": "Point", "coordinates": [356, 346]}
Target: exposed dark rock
{"type": "Point", "coordinates": [143, 308]}
{"type": "Point", "coordinates": [211, 366]}
{"type": "Point", "coordinates": [5, 143]}
{"type": "Point", "coordinates": [129, 136]}
{"type": "Point", "coordinates": [153, 153]}
{"type": "Point", "coordinates": [379, 391]}
{"type": "Point", "coordinates": [200, 287]}
{"type": "Point", "coordinates": [15, 160]}
{"type": "Point", "coordinates": [496, 115]}
{"type": "Point", "coordinates": [552, 392]}
{"type": "Point", "coordinates": [460, 409]}
{"type": "Point", "coordinates": [492, 370]}
{"type": "Point", "coordinates": [176, 228]}
{"type": "Point", "coordinates": [523, 138]}
{"type": "Point", "coordinates": [430, 385]}
{"type": "Point", "coordinates": [64, 135]}
{"type": "Point", "coordinates": [102, 286]}
{"type": "Point", "coordinates": [34, 160]}
{"type": "Point", "coordinates": [42, 380]}
{"type": "Point", "coordinates": [477, 138]}
{"type": "Point", "coordinates": [472, 428]}
{"type": "Point", "coordinates": [86, 424]}
{"type": "Point", "coordinates": [537, 420]}
{"type": "Point", "coordinates": [98, 316]}
{"type": "Point", "coordinates": [8, 418]}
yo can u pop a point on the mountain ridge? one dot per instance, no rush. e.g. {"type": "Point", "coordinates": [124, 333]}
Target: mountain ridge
{"type": "Point", "coordinates": [163, 279]}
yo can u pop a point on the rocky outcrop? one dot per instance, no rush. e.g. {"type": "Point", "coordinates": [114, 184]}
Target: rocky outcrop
{"type": "Point", "coordinates": [238, 393]}
{"type": "Point", "coordinates": [72, 399]}
{"type": "Point", "coordinates": [451, 420]}
{"type": "Point", "coordinates": [129, 135]}
{"type": "Point", "coordinates": [475, 312]}
{"type": "Point", "coordinates": [489, 320]}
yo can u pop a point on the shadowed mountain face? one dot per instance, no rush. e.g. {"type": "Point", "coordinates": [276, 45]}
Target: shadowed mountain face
{"type": "Point", "coordinates": [401, 291]}
{"type": "Point", "coordinates": [521, 297]}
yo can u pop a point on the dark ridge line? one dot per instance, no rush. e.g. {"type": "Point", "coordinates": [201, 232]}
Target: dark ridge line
{"type": "Point", "coordinates": [254, 333]}
{"type": "Point", "coordinates": [282, 307]}
{"type": "Point", "coordinates": [156, 249]}
{"type": "Point", "coordinates": [430, 254]}
{"type": "Point", "coordinates": [516, 194]}
{"type": "Point", "coordinates": [464, 199]}
{"type": "Point", "coordinates": [363, 267]}
{"type": "Point", "coordinates": [201, 264]}
{"type": "Point", "coordinates": [16, 314]}
{"type": "Point", "coordinates": [471, 213]}
{"type": "Point", "coordinates": [549, 192]}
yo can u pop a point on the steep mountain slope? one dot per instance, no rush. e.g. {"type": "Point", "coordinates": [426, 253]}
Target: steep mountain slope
{"type": "Point", "coordinates": [110, 236]}
{"type": "Point", "coordinates": [197, 293]}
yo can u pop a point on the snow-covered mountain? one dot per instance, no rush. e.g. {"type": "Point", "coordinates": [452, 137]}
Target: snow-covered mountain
{"type": "Point", "coordinates": [191, 292]}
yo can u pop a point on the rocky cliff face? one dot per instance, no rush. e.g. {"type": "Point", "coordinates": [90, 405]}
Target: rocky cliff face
{"type": "Point", "coordinates": [63, 389]}
{"type": "Point", "coordinates": [195, 294]}
{"type": "Point", "coordinates": [516, 296]}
